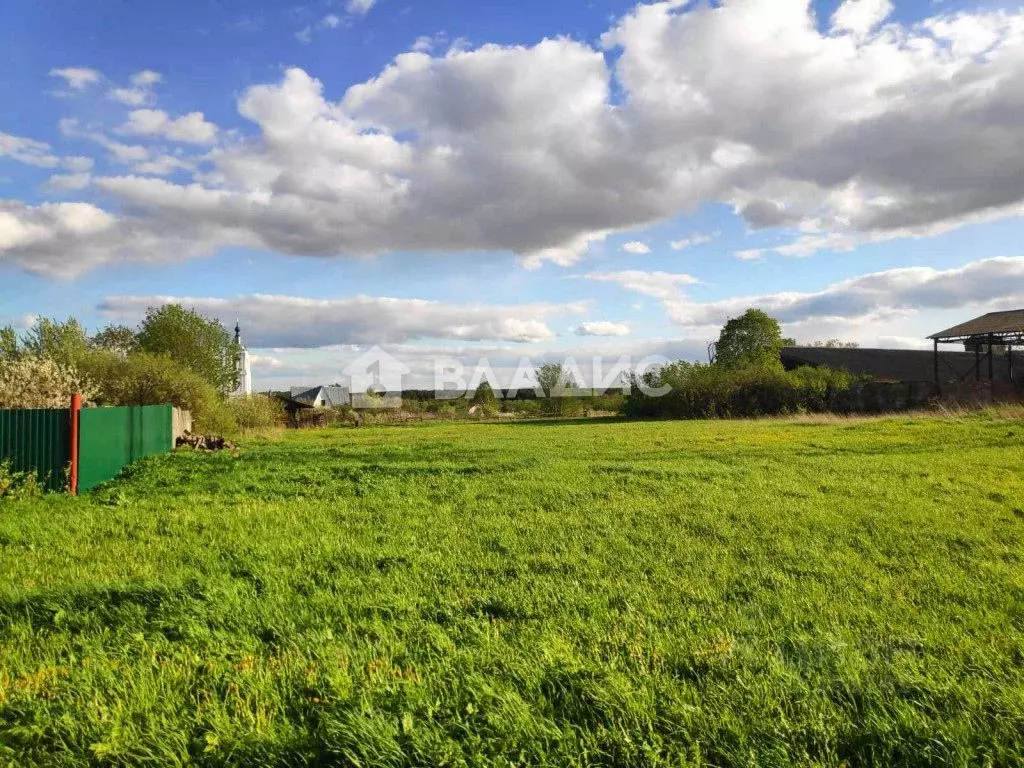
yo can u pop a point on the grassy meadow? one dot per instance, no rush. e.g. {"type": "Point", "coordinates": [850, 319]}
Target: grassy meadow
{"type": "Point", "coordinates": [764, 593]}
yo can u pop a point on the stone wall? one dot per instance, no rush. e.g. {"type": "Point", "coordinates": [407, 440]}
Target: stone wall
{"type": "Point", "coordinates": [181, 422]}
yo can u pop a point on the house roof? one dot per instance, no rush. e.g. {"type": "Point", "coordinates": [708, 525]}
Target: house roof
{"type": "Point", "coordinates": [1010, 322]}
{"type": "Point", "coordinates": [893, 364]}
{"type": "Point", "coordinates": [331, 395]}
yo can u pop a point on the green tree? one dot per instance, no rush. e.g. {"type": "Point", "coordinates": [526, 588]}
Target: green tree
{"type": "Point", "coordinates": [484, 399]}
{"type": "Point", "coordinates": [559, 388]}
{"type": "Point", "coordinates": [753, 338]}
{"type": "Point", "coordinates": [119, 339]}
{"type": "Point", "coordinates": [554, 380]}
{"type": "Point", "coordinates": [484, 395]}
{"type": "Point", "coordinates": [200, 344]}
{"type": "Point", "coordinates": [8, 343]}
{"type": "Point", "coordinates": [833, 344]}
{"type": "Point", "coordinates": [65, 343]}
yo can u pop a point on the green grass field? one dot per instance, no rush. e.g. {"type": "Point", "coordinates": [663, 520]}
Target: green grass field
{"type": "Point", "coordinates": [692, 593]}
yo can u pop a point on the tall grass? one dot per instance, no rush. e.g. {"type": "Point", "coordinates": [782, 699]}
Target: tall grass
{"type": "Point", "coordinates": [672, 593]}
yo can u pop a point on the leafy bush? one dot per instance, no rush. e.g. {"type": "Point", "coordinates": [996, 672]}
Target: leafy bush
{"type": "Point", "coordinates": [18, 485]}
{"type": "Point", "coordinates": [699, 391]}
{"type": "Point", "coordinates": [525, 408]}
{"type": "Point", "coordinates": [609, 402]}
{"type": "Point", "coordinates": [255, 411]}
{"type": "Point", "coordinates": [34, 382]}
{"type": "Point", "coordinates": [145, 379]}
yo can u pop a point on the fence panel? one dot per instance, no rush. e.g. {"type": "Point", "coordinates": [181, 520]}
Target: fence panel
{"type": "Point", "coordinates": [111, 438]}
{"type": "Point", "coordinates": [37, 440]}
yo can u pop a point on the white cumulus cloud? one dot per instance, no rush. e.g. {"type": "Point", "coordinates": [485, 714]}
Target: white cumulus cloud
{"type": "Point", "coordinates": [983, 285]}
{"type": "Point", "coordinates": [289, 321]}
{"type": "Point", "coordinates": [67, 182]}
{"type": "Point", "coordinates": [132, 97]}
{"type": "Point", "coordinates": [78, 78]}
{"type": "Point", "coordinates": [662, 285]}
{"type": "Point", "coordinates": [636, 247]}
{"type": "Point", "coordinates": [192, 128]}
{"type": "Point", "coordinates": [859, 133]}
{"type": "Point", "coordinates": [601, 328]}
{"type": "Point", "coordinates": [360, 7]}
{"type": "Point", "coordinates": [146, 78]}
{"type": "Point", "coordinates": [28, 151]}
{"type": "Point", "coordinates": [690, 242]}
{"type": "Point", "coordinates": [860, 16]}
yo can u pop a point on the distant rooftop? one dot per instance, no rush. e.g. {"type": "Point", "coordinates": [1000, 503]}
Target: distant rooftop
{"type": "Point", "coordinates": [1010, 322]}
{"type": "Point", "coordinates": [320, 395]}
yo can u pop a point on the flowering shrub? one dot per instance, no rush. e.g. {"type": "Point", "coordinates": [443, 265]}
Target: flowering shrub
{"type": "Point", "coordinates": [35, 382]}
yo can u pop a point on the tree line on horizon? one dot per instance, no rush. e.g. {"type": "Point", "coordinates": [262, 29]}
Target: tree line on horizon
{"type": "Point", "coordinates": [175, 355]}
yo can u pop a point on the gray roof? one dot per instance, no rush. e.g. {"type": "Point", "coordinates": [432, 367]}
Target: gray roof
{"type": "Point", "coordinates": [894, 364]}
{"type": "Point", "coordinates": [1009, 322]}
{"type": "Point", "coordinates": [332, 395]}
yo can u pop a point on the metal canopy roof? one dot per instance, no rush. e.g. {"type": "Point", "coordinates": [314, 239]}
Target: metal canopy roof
{"type": "Point", "coordinates": [1009, 324]}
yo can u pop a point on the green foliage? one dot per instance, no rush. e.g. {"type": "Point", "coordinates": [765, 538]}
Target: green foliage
{"type": "Point", "coordinates": [65, 343]}
{"type": "Point", "coordinates": [523, 408]}
{"type": "Point", "coordinates": [18, 485]}
{"type": "Point", "coordinates": [484, 396]}
{"type": "Point", "coordinates": [554, 380]}
{"type": "Point", "coordinates": [202, 345]}
{"type": "Point", "coordinates": [145, 379]}
{"type": "Point", "coordinates": [752, 339]}
{"type": "Point", "coordinates": [737, 593]}
{"type": "Point", "coordinates": [833, 344]}
{"type": "Point", "coordinates": [33, 382]}
{"type": "Point", "coordinates": [610, 402]}
{"type": "Point", "coordinates": [561, 394]}
{"type": "Point", "coordinates": [699, 391]}
{"type": "Point", "coordinates": [485, 401]}
{"type": "Point", "coordinates": [177, 357]}
{"type": "Point", "coordinates": [118, 339]}
{"type": "Point", "coordinates": [255, 412]}
{"type": "Point", "coordinates": [8, 343]}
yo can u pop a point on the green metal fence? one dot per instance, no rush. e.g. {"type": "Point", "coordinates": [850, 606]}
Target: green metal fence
{"type": "Point", "coordinates": [37, 440]}
{"type": "Point", "coordinates": [110, 439]}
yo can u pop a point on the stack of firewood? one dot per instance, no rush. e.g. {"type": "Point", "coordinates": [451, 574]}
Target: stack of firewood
{"type": "Point", "coordinates": [203, 442]}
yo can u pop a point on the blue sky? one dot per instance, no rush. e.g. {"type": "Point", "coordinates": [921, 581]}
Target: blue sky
{"type": "Point", "coordinates": [511, 179]}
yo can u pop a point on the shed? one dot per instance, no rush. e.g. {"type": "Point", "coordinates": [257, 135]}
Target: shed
{"type": "Point", "coordinates": [991, 336]}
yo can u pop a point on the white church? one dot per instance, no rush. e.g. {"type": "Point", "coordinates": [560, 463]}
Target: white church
{"type": "Point", "coordinates": [242, 369]}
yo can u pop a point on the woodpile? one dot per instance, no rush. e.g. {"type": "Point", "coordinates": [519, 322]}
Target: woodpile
{"type": "Point", "coordinates": [203, 442]}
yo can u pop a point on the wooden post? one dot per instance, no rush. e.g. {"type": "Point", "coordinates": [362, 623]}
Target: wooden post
{"type": "Point", "coordinates": [76, 407]}
{"type": "Point", "coordinates": [991, 375]}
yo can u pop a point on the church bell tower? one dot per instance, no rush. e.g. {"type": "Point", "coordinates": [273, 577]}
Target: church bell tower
{"type": "Point", "coordinates": [242, 366]}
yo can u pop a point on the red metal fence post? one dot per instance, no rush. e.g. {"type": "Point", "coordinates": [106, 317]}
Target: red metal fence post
{"type": "Point", "coordinates": [76, 407]}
